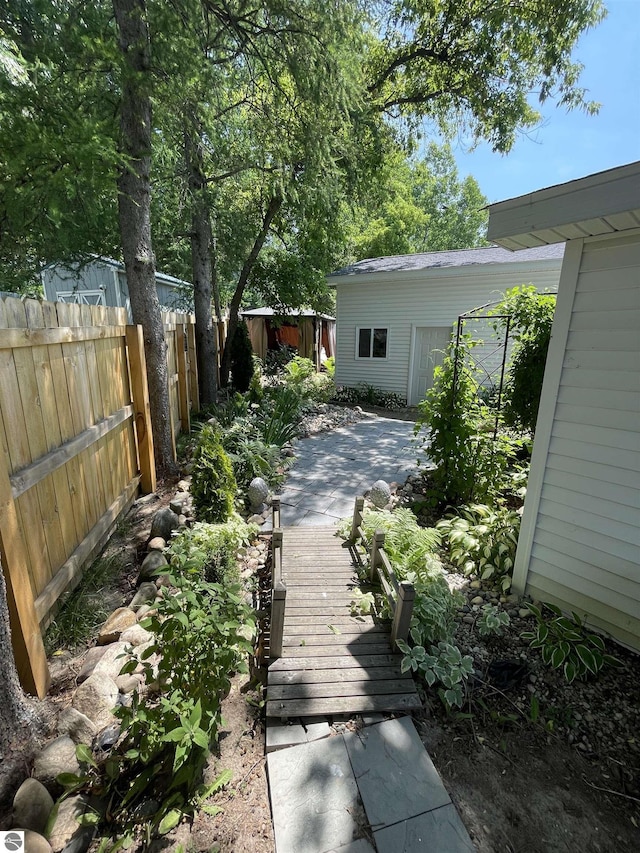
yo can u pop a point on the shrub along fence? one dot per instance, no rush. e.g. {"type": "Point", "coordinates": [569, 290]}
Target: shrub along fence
{"type": "Point", "coordinates": [76, 445]}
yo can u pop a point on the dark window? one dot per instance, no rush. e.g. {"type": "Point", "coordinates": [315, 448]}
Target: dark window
{"type": "Point", "coordinates": [379, 343]}
{"type": "Point", "coordinates": [364, 343]}
{"type": "Point", "coordinates": [372, 343]}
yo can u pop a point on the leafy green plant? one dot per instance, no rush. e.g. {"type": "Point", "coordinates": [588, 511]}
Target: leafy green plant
{"type": "Point", "coordinates": [330, 366]}
{"type": "Point", "coordinates": [565, 643]}
{"type": "Point", "coordinates": [210, 549]}
{"type": "Point", "coordinates": [298, 369]}
{"type": "Point", "coordinates": [213, 486]}
{"type": "Point", "coordinates": [363, 603]}
{"type": "Point", "coordinates": [278, 423]}
{"type": "Point", "coordinates": [444, 664]}
{"type": "Point", "coordinates": [435, 609]}
{"type": "Point", "coordinates": [492, 621]}
{"type": "Point", "coordinates": [369, 395]}
{"type": "Point", "coordinates": [482, 541]}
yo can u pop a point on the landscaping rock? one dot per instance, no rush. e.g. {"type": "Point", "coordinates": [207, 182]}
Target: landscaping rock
{"type": "Point", "coordinates": [57, 757]}
{"type": "Point", "coordinates": [257, 493]}
{"type": "Point", "coordinates": [113, 660]}
{"type": "Point", "coordinates": [164, 522]}
{"type": "Point", "coordinates": [128, 683]}
{"type": "Point", "coordinates": [119, 621]}
{"type": "Point", "coordinates": [145, 595]}
{"type": "Point", "coordinates": [156, 544]}
{"type": "Point", "coordinates": [34, 842]}
{"type": "Point", "coordinates": [143, 611]}
{"type": "Point", "coordinates": [96, 698]}
{"type": "Point", "coordinates": [76, 725]}
{"type": "Point", "coordinates": [90, 660]}
{"type": "Point", "coordinates": [153, 562]}
{"type": "Point", "coordinates": [255, 519]}
{"type": "Point", "coordinates": [66, 833]}
{"type": "Point", "coordinates": [478, 599]}
{"type": "Point", "coordinates": [380, 494]}
{"type": "Point", "coordinates": [32, 806]}
{"type": "Point", "coordinates": [136, 636]}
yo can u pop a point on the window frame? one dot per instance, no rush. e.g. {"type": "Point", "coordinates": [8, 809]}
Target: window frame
{"type": "Point", "coordinates": [371, 356]}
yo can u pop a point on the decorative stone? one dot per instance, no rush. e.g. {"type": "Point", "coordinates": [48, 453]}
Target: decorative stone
{"type": "Point", "coordinates": [143, 611]}
{"type": "Point", "coordinates": [380, 494]}
{"type": "Point", "coordinates": [113, 660]}
{"type": "Point", "coordinates": [136, 636]}
{"type": "Point", "coordinates": [32, 806]}
{"type": "Point", "coordinates": [35, 843]}
{"type": "Point", "coordinates": [128, 683]}
{"type": "Point", "coordinates": [152, 563]}
{"type": "Point", "coordinates": [255, 519]}
{"type": "Point", "coordinates": [76, 725]}
{"type": "Point", "coordinates": [57, 757]}
{"type": "Point", "coordinates": [66, 833]}
{"type": "Point", "coordinates": [164, 521]}
{"type": "Point", "coordinates": [96, 698]}
{"type": "Point", "coordinates": [90, 660]}
{"type": "Point", "coordinates": [524, 613]}
{"type": "Point", "coordinates": [119, 621]}
{"type": "Point", "coordinates": [156, 544]}
{"type": "Point", "coordinates": [477, 600]}
{"type": "Point", "coordinates": [145, 595]}
{"type": "Point", "coordinates": [257, 493]}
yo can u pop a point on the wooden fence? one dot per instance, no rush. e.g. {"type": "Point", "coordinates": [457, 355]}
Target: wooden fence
{"type": "Point", "coordinates": [76, 444]}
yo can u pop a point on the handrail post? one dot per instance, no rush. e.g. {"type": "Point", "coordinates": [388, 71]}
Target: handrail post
{"type": "Point", "coordinates": [357, 519]}
{"type": "Point", "coordinates": [275, 512]}
{"type": "Point", "coordinates": [376, 544]}
{"type": "Point", "coordinates": [278, 601]}
{"type": "Point", "coordinates": [276, 551]}
{"type": "Point", "coordinates": [403, 613]}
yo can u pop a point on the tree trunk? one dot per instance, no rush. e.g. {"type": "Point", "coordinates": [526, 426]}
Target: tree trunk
{"type": "Point", "coordinates": [201, 246]}
{"type": "Point", "coordinates": [134, 207]}
{"type": "Point", "coordinates": [234, 308]}
{"type": "Point", "coordinates": [19, 718]}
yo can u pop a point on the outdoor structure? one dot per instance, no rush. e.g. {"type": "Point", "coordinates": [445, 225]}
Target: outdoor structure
{"type": "Point", "coordinates": [103, 281]}
{"type": "Point", "coordinates": [580, 539]}
{"type": "Point", "coordinates": [305, 330]}
{"type": "Point", "coordinates": [395, 315]}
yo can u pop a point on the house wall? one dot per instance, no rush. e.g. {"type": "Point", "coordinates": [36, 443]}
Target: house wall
{"type": "Point", "coordinates": [580, 540]}
{"type": "Point", "coordinates": [422, 298]}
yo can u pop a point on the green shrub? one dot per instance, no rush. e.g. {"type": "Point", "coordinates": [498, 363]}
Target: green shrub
{"type": "Point", "coordinates": [213, 485]}
{"type": "Point", "coordinates": [482, 541]}
{"type": "Point", "coordinates": [256, 391]}
{"type": "Point", "coordinates": [369, 395]}
{"type": "Point", "coordinates": [211, 549]}
{"type": "Point", "coordinates": [320, 388]}
{"type": "Point", "coordinates": [298, 369]}
{"type": "Point", "coordinates": [241, 358]}
{"type": "Point", "coordinates": [278, 422]}
{"type": "Point", "coordinates": [330, 366]}
{"type": "Point", "coordinates": [492, 621]}
{"type": "Point", "coordinates": [565, 643]}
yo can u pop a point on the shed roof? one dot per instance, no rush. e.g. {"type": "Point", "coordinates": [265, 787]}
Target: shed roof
{"type": "Point", "coordinates": [602, 203]}
{"type": "Point", "coordinates": [118, 265]}
{"type": "Point", "coordinates": [451, 258]}
{"type": "Point", "coordinates": [270, 312]}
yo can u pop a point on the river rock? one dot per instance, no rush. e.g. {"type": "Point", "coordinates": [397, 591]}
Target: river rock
{"type": "Point", "coordinates": [128, 683]}
{"type": "Point", "coordinates": [156, 544]}
{"type": "Point", "coordinates": [380, 494]}
{"type": "Point", "coordinates": [96, 698]}
{"type": "Point", "coordinates": [152, 563]}
{"type": "Point", "coordinates": [477, 600]}
{"type": "Point", "coordinates": [89, 664]}
{"type": "Point", "coordinates": [119, 621]}
{"type": "Point", "coordinates": [164, 522]}
{"type": "Point", "coordinates": [145, 595]}
{"type": "Point", "coordinates": [32, 806]}
{"type": "Point", "coordinates": [35, 843]}
{"type": "Point", "coordinates": [76, 725]}
{"type": "Point", "coordinates": [136, 635]}
{"type": "Point", "coordinates": [57, 757]}
{"type": "Point", "coordinates": [113, 660]}
{"type": "Point", "coordinates": [66, 833]}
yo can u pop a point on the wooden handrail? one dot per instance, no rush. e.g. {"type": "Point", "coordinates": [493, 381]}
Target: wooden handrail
{"type": "Point", "coordinates": [279, 589]}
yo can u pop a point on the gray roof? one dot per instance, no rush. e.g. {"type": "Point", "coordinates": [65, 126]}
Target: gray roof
{"type": "Point", "coordinates": [269, 312]}
{"type": "Point", "coordinates": [451, 258]}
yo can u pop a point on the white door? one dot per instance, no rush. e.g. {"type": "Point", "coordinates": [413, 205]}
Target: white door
{"type": "Point", "coordinates": [429, 346]}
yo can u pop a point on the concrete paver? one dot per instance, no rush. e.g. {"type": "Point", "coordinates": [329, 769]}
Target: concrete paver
{"type": "Point", "coordinates": [438, 831]}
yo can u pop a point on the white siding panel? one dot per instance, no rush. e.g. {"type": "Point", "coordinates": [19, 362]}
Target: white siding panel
{"type": "Point", "coordinates": [585, 546]}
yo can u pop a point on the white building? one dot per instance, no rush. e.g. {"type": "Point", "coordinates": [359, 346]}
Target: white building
{"type": "Point", "coordinates": [394, 316]}
{"type": "Point", "coordinates": [580, 539]}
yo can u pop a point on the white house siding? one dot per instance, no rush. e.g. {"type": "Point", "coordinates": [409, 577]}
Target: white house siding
{"type": "Point", "coordinates": [580, 538]}
{"type": "Point", "coordinates": [403, 301]}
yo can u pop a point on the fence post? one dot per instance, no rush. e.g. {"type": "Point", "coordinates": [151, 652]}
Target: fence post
{"type": "Point", "coordinates": [142, 409]}
{"type": "Point", "coordinates": [403, 613]}
{"type": "Point", "coordinates": [357, 519]}
{"type": "Point", "coordinates": [28, 648]}
{"type": "Point", "coordinates": [183, 385]}
{"type": "Point", "coordinates": [278, 601]}
{"type": "Point", "coordinates": [194, 392]}
{"type": "Point", "coordinates": [376, 544]}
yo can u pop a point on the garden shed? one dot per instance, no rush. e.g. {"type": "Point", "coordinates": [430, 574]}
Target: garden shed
{"type": "Point", "coordinates": [579, 544]}
{"type": "Point", "coordinates": [102, 281]}
{"type": "Point", "coordinates": [305, 330]}
{"type": "Point", "coordinates": [395, 315]}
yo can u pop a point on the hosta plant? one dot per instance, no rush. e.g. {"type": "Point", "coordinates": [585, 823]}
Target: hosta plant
{"type": "Point", "coordinates": [492, 621]}
{"type": "Point", "coordinates": [566, 644]}
{"type": "Point", "coordinates": [444, 664]}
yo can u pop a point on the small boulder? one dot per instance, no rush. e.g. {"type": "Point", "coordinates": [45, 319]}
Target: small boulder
{"type": "Point", "coordinates": [156, 544]}
{"type": "Point", "coordinates": [177, 505]}
{"type": "Point", "coordinates": [113, 660]}
{"type": "Point", "coordinates": [57, 757]}
{"type": "Point", "coordinates": [36, 843]}
{"type": "Point", "coordinates": [76, 725]}
{"type": "Point", "coordinates": [96, 698]}
{"type": "Point", "coordinates": [257, 493]}
{"type": "Point", "coordinates": [380, 494]}
{"type": "Point", "coordinates": [32, 806]}
{"type": "Point", "coordinates": [89, 664]}
{"type": "Point", "coordinates": [129, 683]}
{"type": "Point", "coordinates": [145, 595]}
{"type": "Point", "coordinates": [66, 833]}
{"type": "Point", "coordinates": [164, 522]}
{"type": "Point", "coordinates": [136, 636]}
{"type": "Point", "coordinates": [151, 564]}
{"type": "Point", "coordinates": [255, 519]}
{"type": "Point", "coordinates": [119, 621]}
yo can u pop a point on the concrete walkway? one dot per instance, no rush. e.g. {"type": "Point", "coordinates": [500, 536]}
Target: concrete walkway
{"type": "Point", "coordinates": [375, 789]}
{"type": "Point", "coordinates": [333, 468]}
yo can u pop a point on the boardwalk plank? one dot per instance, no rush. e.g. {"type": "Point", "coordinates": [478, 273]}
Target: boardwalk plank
{"type": "Point", "coordinates": [354, 673]}
{"type": "Point", "coordinates": [346, 705]}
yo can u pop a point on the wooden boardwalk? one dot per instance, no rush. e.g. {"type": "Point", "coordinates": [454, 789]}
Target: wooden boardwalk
{"type": "Point", "coordinates": [332, 662]}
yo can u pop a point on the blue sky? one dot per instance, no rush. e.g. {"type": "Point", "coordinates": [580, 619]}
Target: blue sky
{"type": "Point", "coordinates": [571, 145]}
